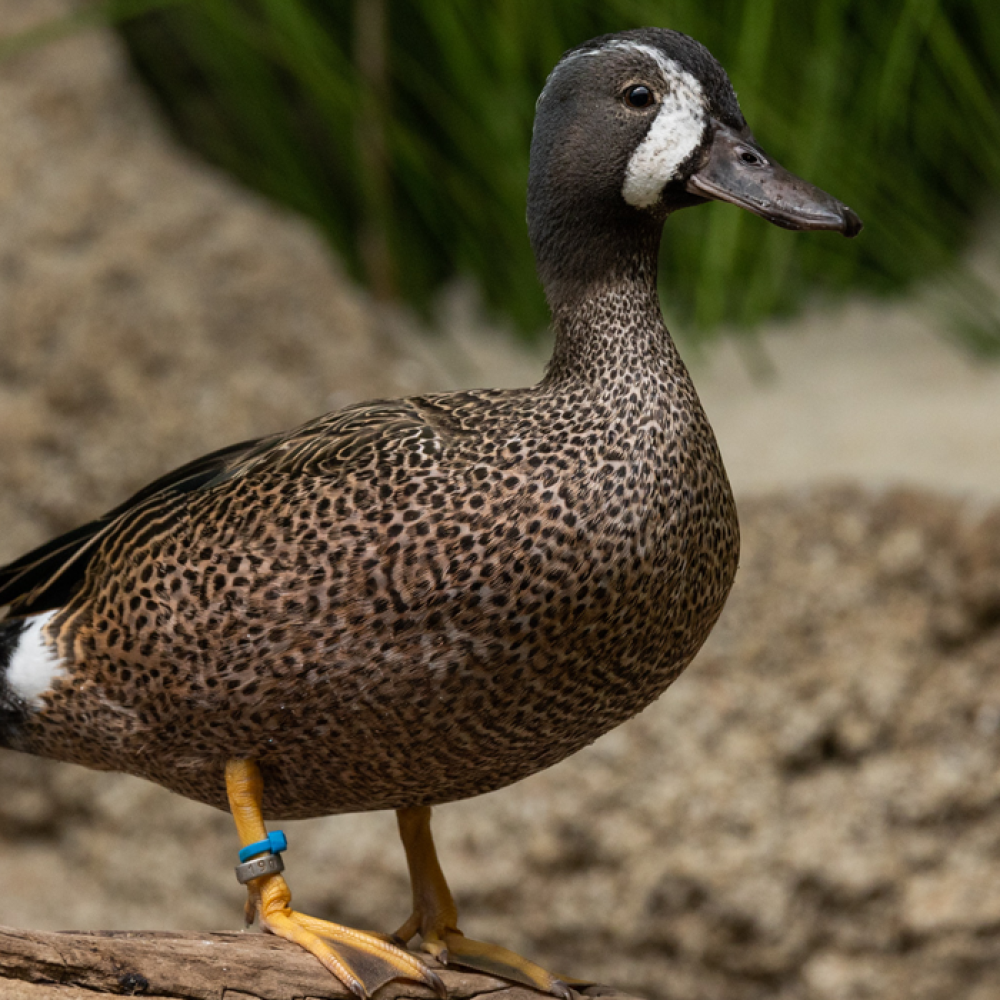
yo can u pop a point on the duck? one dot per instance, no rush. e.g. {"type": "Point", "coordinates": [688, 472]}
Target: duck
{"type": "Point", "coordinates": [409, 602]}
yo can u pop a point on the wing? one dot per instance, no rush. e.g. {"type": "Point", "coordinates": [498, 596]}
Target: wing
{"type": "Point", "coordinates": [354, 437]}
{"type": "Point", "coordinates": [47, 577]}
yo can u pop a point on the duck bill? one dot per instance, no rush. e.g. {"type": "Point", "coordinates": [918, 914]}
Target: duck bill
{"type": "Point", "coordinates": [737, 170]}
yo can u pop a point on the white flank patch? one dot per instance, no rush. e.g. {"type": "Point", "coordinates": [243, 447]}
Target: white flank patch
{"type": "Point", "coordinates": [34, 665]}
{"type": "Point", "coordinates": [675, 134]}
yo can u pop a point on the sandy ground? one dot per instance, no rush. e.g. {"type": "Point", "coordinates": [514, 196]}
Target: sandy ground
{"type": "Point", "coordinates": [869, 392]}
{"type": "Point", "coordinates": [812, 812]}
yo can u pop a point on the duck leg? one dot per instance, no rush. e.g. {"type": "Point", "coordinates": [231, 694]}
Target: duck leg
{"type": "Point", "coordinates": [435, 916]}
{"type": "Point", "coordinates": [360, 960]}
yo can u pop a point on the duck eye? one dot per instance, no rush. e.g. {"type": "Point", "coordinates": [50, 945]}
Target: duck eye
{"type": "Point", "coordinates": [751, 158]}
{"type": "Point", "coordinates": [638, 96]}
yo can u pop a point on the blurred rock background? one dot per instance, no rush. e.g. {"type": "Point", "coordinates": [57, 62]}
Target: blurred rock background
{"type": "Point", "coordinates": [812, 812]}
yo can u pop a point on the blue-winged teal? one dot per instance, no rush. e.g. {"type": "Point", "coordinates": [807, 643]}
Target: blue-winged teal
{"type": "Point", "coordinates": [409, 602]}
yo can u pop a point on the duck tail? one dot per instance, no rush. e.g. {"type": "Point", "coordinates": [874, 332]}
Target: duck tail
{"type": "Point", "coordinates": [13, 709]}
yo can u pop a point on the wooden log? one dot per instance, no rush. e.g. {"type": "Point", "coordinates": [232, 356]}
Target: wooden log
{"type": "Point", "coordinates": [157, 965]}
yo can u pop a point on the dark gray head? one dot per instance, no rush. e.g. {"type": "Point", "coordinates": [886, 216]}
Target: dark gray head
{"type": "Point", "coordinates": [630, 127]}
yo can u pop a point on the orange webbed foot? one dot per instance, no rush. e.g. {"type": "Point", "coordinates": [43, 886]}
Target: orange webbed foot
{"type": "Point", "coordinates": [361, 960]}
{"type": "Point", "coordinates": [435, 917]}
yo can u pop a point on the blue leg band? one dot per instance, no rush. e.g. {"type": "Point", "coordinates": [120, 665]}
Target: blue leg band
{"type": "Point", "coordinates": [275, 844]}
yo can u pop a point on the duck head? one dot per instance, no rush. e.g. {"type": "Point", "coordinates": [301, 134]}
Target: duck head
{"type": "Point", "coordinates": [631, 127]}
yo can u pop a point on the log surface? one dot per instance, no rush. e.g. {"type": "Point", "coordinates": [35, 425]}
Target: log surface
{"type": "Point", "coordinates": [66, 965]}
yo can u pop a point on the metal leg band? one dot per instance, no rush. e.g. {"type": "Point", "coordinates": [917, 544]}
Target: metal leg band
{"type": "Point", "coordinates": [267, 864]}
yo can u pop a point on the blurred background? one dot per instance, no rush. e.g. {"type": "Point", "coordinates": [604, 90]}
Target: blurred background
{"type": "Point", "coordinates": [402, 130]}
{"type": "Point", "coordinates": [221, 217]}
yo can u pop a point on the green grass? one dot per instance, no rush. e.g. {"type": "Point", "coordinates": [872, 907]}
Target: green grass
{"type": "Point", "coordinates": [416, 172]}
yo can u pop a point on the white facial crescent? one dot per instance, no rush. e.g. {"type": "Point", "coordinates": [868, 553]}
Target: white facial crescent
{"type": "Point", "coordinates": [675, 134]}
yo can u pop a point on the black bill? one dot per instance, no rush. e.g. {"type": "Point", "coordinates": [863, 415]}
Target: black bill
{"type": "Point", "coordinates": [737, 170]}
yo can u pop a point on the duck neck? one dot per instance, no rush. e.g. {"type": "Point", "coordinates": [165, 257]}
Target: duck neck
{"type": "Point", "coordinates": [611, 328]}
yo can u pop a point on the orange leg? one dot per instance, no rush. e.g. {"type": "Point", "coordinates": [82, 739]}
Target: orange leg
{"type": "Point", "coordinates": [435, 916]}
{"type": "Point", "coordinates": [361, 961]}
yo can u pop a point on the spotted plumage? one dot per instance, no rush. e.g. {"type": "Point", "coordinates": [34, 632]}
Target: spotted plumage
{"type": "Point", "coordinates": [406, 603]}
{"type": "Point", "coordinates": [410, 602]}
